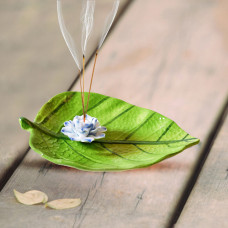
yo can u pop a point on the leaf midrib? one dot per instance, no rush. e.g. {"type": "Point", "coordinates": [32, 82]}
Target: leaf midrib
{"type": "Point", "coordinates": [61, 136]}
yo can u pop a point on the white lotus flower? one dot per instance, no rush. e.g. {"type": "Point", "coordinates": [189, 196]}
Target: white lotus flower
{"type": "Point", "coordinates": [78, 130]}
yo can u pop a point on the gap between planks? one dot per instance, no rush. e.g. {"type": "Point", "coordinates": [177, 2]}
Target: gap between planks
{"type": "Point", "coordinates": [17, 163]}
{"type": "Point", "coordinates": [216, 127]}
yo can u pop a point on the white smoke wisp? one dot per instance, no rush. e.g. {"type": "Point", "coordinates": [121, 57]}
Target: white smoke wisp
{"type": "Point", "coordinates": [109, 22]}
{"type": "Point", "coordinates": [87, 18]}
{"type": "Point", "coordinates": [66, 35]}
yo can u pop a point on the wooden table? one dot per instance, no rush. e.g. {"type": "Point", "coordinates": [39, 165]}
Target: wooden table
{"type": "Point", "coordinates": [168, 56]}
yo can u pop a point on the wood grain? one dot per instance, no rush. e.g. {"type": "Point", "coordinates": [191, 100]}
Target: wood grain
{"type": "Point", "coordinates": [207, 205]}
{"type": "Point", "coordinates": [167, 56]}
{"type": "Point", "coordinates": [35, 65]}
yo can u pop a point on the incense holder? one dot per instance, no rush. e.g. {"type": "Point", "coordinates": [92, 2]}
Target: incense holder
{"type": "Point", "coordinates": [83, 130]}
{"type": "Point", "coordinates": [135, 137]}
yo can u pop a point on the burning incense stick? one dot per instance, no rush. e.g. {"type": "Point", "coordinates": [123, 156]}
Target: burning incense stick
{"type": "Point", "coordinates": [83, 73]}
{"type": "Point", "coordinates": [91, 81]}
{"type": "Point", "coordinates": [87, 21]}
{"type": "Point", "coordinates": [80, 78]}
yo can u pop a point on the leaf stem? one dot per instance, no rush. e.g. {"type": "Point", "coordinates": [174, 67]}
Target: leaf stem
{"type": "Point", "coordinates": [28, 125]}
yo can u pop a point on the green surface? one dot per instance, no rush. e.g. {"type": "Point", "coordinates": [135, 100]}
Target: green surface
{"type": "Point", "coordinates": [136, 137]}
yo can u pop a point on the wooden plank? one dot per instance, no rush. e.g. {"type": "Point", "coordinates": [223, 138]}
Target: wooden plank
{"type": "Point", "coordinates": [207, 205]}
{"type": "Point", "coordinates": [35, 65]}
{"type": "Point", "coordinates": [159, 57]}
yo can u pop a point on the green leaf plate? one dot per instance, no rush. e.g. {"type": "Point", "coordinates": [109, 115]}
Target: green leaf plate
{"type": "Point", "coordinates": [136, 137]}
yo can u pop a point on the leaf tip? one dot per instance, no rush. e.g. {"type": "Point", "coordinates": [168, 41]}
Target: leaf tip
{"type": "Point", "coordinates": [197, 141]}
{"type": "Point", "coordinates": [25, 123]}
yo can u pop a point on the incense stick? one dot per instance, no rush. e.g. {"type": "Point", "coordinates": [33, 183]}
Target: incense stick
{"type": "Point", "coordinates": [80, 78]}
{"type": "Point", "coordinates": [83, 73]}
{"type": "Point", "coordinates": [87, 22]}
{"type": "Point", "coordinates": [91, 81]}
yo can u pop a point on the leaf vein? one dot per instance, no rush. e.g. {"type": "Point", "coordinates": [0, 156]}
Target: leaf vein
{"type": "Point", "coordinates": [113, 152]}
{"type": "Point", "coordinates": [116, 117]}
{"type": "Point", "coordinates": [142, 142]}
{"type": "Point", "coordinates": [185, 136]}
{"type": "Point", "coordinates": [88, 158]}
{"type": "Point", "coordinates": [166, 130]}
{"type": "Point", "coordinates": [147, 119]}
{"type": "Point", "coordinates": [57, 108]}
{"type": "Point", "coordinates": [141, 149]}
{"type": "Point", "coordinates": [98, 103]}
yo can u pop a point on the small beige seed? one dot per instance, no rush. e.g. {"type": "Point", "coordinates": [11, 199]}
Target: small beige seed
{"type": "Point", "coordinates": [63, 203]}
{"type": "Point", "coordinates": [31, 197]}
{"type": "Point", "coordinates": [45, 198]}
